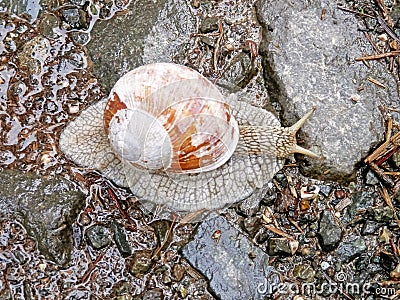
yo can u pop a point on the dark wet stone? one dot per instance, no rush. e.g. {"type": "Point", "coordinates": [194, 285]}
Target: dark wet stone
{"type": "Point", "coordinates": [309, 61]}
{"type": "Point", "coordinates": [388, 261]}
{"type": "Point", "coordinates": [46, 208]}
{"type": "Point", "coordinates": [359, 200]}
{"type": "Point", "coordinates": [140, 262]}
{"type": "Point", "coordinates": [80, 38]}
{"type": "Point", "coordinates": [152, 31]}
{"type": "Point", "coordinates": [283, 246]}
{"type": "Point", "coordinates": [209, 24]}
{"type": "Point", "coordinates": [381, 213]}
{"type": "Point", "coordinates": [98, 236]}
{"type": "Point", "coordinates": [74, 18]}
{"type": "Point", "coordinates": [370, 227]}
{"type": "Point", "coordinates": [154, 294]}
{"type": "Point", "coordinates": [241, 70]}
{"type": "Point", "coordinates": [47, 23]}
{"type": "Point", "coordinates": [30, 9]}
{"type": "Point", "coordinates": [161, 229]}
{"type": "Point", "coordinates": [329, 232]}
{"type": "Point", "coordinates": [233, 274]}
{"type": "Point", "coordinates": [121, 240]}
{"type": "Point", "coordinates": [123, 290]}
{"type": "Point", "coordinates": [252, 225]}
{"type": "Point", "coordinates": [178, 271]}
{"type": "Point", "coordinates": [350, 249]}
{"type": "Point", "coordinates": [304, 272]}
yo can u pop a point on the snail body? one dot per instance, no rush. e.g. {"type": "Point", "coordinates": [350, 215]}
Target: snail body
{"type": "Point", "coordinates": [169, 135]}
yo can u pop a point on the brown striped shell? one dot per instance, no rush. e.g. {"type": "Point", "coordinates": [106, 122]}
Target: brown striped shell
{"type": "Point", "coordinates": [169, 117]}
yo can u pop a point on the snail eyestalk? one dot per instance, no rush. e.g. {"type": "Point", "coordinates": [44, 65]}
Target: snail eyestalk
{"type": "Point", "coordinates": [287, 144]}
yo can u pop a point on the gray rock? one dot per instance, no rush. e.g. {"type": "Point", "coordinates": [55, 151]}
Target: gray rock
{"type": "Point", "coordinates": [46, 208]}
{"type": "Point", "coordinates": [140, 263]}
{"type": "Point", "coordinates": [329, 232]}
{"type": "Point", "coordinates": [304, 272]}
{"type": "Point", "coordinates": [381, 214]}
{"type": "Point", "coordinates": [360, 200]}
{"type": "Point", "coordinates": [209, 24]}
{"type": "Point", "coordinates": [348, 250]}
{"type": "Point", "coordinates": [282, 246]}
{"type": "Point", "coordinates": [370, 227]}
{"type": "Point", "coordinates": [98, 236]}
{"type": "Point", "coordinates": [121, 239]}
{"type": "Point", "coordinates": [235, 267]}
{"type": "Point", "coordinates": [30, 8]}
{"type": "Point", "coordinates": [74, 18]}
{"type": "Point", "coordinates": [151, 31]}
{"type": "Point", "coordinates": [309, 61]}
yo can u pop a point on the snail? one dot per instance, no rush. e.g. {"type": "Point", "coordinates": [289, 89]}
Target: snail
{"type": "Point", "coordinates": [168, 134]}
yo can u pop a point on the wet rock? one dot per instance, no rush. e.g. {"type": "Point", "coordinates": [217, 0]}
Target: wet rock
{"type": "Point", "coordinates": [73, 18]}
{"type": "Point", "coordinates": [304, 272]}
{"type": "Point", "coordinates": [241, 70]}
{"type": "Point", "coordinates": [252, 225]}
{"type": "Point", "coordinates": [46, 208]}
{"type": "Point", "coordinates": [121, 240]}
{"type": "Point", "coordinates": [309, 61]}
{"type": "Point", "coordinates": [140, 262]}
{"type": "Point", "coordinates": [34, 53]}
{"type": "Point", "coordinates": [371, 178]}
{"type": "Point", "coordinates": [388, 261]}
{"type": "Point", "coordinates": [47, 24]}
{"type": "Point", "coordinates": [178, 271]}
{"type": "Point", "coordinates": [370, 227]}
{"type": "Point", "coordinates": [27, 8]}
{"type": "Point", "coordinates": [161, 230]}
{"type": "Point", "coordinates": [209, 24]}
{"type": "Point", "coordinates": [98, 236]}
{"type": "Point", "coordinates": [154, 294]}
{"type": "Point", "coordinates": [152, 31]}
{"type": "Point", "coordinates": [350, 249]}
{"type": "Point", "coordinates": [123, 291]}
{"type": "Point", "coordinates": [233, 274]}
{"type": "Point", "coordinates": [329, 232]}
{"type": "Point", "coordinates": [282, 246]}
{"type": "Point", "coordinates": [381, 213]}
{"type": "Point", "coordinates": [360, 200]}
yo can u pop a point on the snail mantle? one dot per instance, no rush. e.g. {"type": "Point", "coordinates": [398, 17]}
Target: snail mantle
{"type": "Point", "coordinates": [168, 134]}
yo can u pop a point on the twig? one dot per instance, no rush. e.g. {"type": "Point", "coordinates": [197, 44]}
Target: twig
{"type": "Point", "coordinates": [92, 266]}
{"type": "Point", "coordinates": [121, 210]}
{"type": "Point", "coordinates": [162, 244]}
{"type": "Point", "coordinates": [216, 50]}
{"type": "Point", "coordinates": [278, 231]}
{"type": "Point", "coordinates": [355, 12]}
{"type": "Point", "coordinates": [374, 81]}
{"type": "Point", "coordinates": [378, 56]}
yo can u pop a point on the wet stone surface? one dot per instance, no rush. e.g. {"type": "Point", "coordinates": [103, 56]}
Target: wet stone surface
{"type": "Point", "coordinates": [329, 232]}
{"type": "Point", "coordinates": [305, 67]}
{"type": "Point", "coordinates": [143, 35]}
{"type": "Point", "coordinates": [46, 207]}
{"type": "Point", "coordinates": [234, 266]}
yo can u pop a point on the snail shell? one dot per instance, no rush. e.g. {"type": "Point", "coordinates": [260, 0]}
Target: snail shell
{"type": "Point", "coordinates": [168, 134]}
{"type": "Point", "coordinates": [168, 117]}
